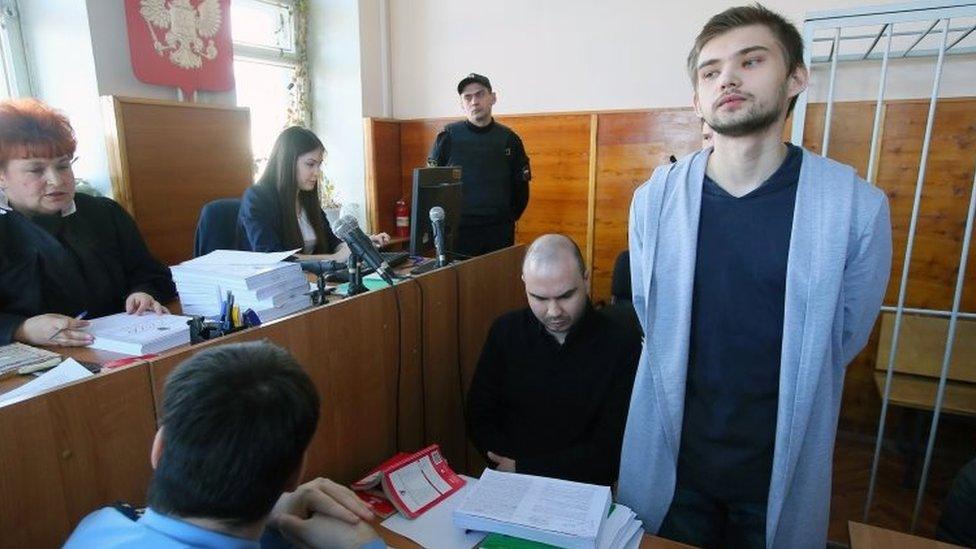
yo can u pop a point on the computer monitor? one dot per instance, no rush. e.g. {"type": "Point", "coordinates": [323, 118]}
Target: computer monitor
{"type": "Point", "coordinates": [437, 186]}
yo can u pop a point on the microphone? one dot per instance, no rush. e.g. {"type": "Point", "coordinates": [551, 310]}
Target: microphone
{"type": "Point", "coordinates": [321, 266]}
{"type": "Point", "coordinates": [347, 229]}
{"type": "Point", "coordinates": [437, 223]}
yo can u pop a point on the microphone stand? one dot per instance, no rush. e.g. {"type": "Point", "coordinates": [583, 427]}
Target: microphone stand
{"type": "Point", "coordinates": [356, 285]}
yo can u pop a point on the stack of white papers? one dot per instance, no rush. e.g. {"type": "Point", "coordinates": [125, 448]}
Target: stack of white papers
{"type": "Point", "coordinates": [139, 334]}
{"type": "Point", "coordinates": [66, 372]}
{"type": "Point", "coordinates": [552, 511]}
{"type": "Point", "coordinates": [272, 288]}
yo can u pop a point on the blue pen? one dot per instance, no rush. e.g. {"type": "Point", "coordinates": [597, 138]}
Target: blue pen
{"type": "Point", "coordinates": [79, 316]}
{"type": "Point", "coordinates": [223, 309]}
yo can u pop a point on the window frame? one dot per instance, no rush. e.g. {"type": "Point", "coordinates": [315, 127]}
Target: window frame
{"type": "Point", "coordinates": [13, 54]}
{"type": "Point", "coordinates": [275, 56]}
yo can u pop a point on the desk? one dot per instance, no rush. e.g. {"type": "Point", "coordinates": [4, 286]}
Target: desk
{"type": "Point", "coordinates": [72, 450]}
{"type": "Point", "coordinates": [865, 536]}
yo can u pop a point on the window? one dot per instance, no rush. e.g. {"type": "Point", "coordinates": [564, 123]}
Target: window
{"type": "Point", "coordinates": [266, 60]}
{"type": "Point", "coordinates": [14, 79]}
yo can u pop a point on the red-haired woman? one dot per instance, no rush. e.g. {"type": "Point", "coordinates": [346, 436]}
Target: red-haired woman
{"type": "Point", "coordinates": [62, 254]}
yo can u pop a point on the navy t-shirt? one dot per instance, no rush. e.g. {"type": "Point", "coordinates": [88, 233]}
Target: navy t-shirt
{"type": "Point", "coordinates": [732, 389]}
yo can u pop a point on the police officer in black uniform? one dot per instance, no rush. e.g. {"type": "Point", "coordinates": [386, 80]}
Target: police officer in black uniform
{"type": "Point", "coordinates": [494, 171]}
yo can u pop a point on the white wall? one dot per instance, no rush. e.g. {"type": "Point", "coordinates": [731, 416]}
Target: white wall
{"type": "Point", "coordinates": [571, 55]}
{"type": "Point", "coordinates": [59, 54]}
{"type": "Point", "coordinates": [78, 50]}
{"type": "Point", "coordinates": [337, 94]}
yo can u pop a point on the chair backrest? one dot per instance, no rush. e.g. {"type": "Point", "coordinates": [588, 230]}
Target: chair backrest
{"type": "Point", "coordinates": [620, 282]}
{"type": "Point", "coordinates": [217, 228]}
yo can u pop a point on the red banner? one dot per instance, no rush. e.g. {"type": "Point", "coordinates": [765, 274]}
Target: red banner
{"type": "Point", "coordinates": [181, 43]}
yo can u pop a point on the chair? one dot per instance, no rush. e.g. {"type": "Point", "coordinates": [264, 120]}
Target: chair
{"type": "Point", "coordinates": [621, 307]}
{"type": "Point", "coordinates": [217, 228]}
{"type": "Point", "coordinates": [620, 280]}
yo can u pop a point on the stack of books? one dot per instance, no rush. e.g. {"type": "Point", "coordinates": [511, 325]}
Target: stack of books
{"type": "Point", "coordinates": [517, 510]}
{"type": "Point", "coordinates": [261, 282]}
{"type": "Point", "coordinates": [144, 334]}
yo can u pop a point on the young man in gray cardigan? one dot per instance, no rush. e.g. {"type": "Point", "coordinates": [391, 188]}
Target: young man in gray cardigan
{"type": "Point", "coordinates": [758, 269]}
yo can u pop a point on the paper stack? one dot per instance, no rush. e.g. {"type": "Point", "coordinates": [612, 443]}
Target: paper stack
{"type": "Point", "coordinates": [548, 511]}
{"type": "Point", "coordinates": [262, 282]}
{"type": "Point", "coordinates": [139, 334]}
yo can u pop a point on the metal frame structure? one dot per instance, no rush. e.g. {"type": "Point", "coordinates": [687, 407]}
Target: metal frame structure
{"type": "Point", "coordinates": [940, 15]}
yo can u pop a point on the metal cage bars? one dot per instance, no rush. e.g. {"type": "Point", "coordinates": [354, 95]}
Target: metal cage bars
{"type": "Point", "coordinates": [887, 16]}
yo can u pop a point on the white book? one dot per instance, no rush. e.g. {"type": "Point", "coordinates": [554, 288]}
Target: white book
{"type": "Point", "coordinates": [237, 257]}
{"type": "Point", "coordinates": [274, 313]}
{"type": "Point", "coordinates": [557, 512]}
{"type": "Point", "coordinates": [208, 289]}
{"type": "Point", "coordinates": [236, 277]}
{"type": "Point", "coordinates": [618, 528]}
{"type": "Point", "coordinates": [139, 334]}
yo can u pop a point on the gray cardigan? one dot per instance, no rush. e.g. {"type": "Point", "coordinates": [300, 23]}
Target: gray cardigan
{"type": "Point", "coordinates": [839, 263]}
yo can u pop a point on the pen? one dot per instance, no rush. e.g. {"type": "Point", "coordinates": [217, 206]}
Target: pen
{"type": "Point", "coordinates": [79, 316]}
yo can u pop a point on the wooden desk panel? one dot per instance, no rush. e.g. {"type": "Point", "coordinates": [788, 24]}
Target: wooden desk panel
{"type": "Point", "coordinates": [864, 536]}
{"type": "Point", "coordinates": [73, 450]}
{"type": "Point", "coordinates": [350, 350]}
{"type": "Point", "coordinates": [487, 287]}
{"type": "Point", "coordinates": [444, 409]}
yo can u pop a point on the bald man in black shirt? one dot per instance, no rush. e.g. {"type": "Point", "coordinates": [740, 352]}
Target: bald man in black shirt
{"type": "Point", "coordinates": [551, 390]}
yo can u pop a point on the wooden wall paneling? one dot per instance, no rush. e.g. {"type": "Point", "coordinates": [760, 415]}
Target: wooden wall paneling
{"type": "Point", "coordinates": [383, 172]}
{"type": "Point", "coordinates": [629, 146]}
{"type": "Point", "coordinates": [71, 451]}
{"type": "Point", "coordinates": [169, 159]}
{"type": "Point", "coordinates": [850, 132]}
{"type": "Point", "coordinates": [941, 216]}
{"type": "Point", "coordinates": [591, 197]}
{"type": "Point", "coordinates": [442, 389]}
{"type": "Point", "coordinates": [350, 350]}
{"type": "Point", "coordinates": [487, 288]}
{"type": "Point", "coordinates": [416, 139]}
{"type": "Point", "coordinates": [559, 149]}
{"type": "Point", "coordinates": [945, 197]}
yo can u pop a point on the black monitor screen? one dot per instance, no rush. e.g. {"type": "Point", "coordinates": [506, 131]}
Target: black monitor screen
{"type": "Point", "coordinates": [438, 186]}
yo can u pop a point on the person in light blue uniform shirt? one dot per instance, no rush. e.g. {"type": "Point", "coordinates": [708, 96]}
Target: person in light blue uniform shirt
{"type": "Point", "coordinates": [236, 422]}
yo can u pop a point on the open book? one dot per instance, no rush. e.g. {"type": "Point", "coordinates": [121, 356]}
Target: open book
{"type": "Point", "coordinates": [556, 512]}
{"type": "Point", "coordinates": [412, 483]}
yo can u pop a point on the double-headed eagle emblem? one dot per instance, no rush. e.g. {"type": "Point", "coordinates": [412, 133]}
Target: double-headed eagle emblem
{"type": "Point", "coordinates": [186, 28]}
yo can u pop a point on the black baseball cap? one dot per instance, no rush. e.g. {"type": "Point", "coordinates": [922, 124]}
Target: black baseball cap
{"type": "Point", "coordinates": [473, 78]}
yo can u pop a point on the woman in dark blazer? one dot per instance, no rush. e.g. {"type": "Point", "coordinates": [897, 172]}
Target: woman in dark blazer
{"type": "Point", "coordinates": [282, 210]}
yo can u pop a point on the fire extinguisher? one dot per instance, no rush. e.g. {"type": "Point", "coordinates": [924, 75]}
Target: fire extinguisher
{"type": "Point", "coordinates": [402, 218]}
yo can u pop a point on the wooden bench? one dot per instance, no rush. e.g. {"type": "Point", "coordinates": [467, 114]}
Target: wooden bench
{"type": "Point", "coordinates": [918, 363]}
